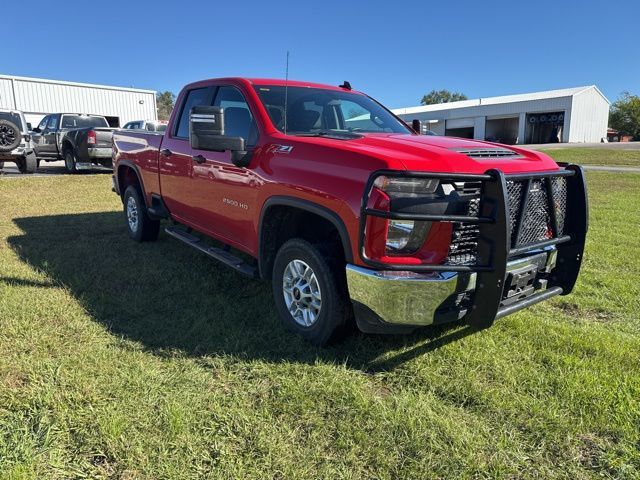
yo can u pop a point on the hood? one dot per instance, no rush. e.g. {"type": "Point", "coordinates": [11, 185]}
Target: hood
{"type": "Point", "coordinates": [443, 154]}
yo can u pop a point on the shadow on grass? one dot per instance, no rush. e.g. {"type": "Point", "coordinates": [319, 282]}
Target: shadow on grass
{"type": "Point", "coordinates": [169, 297]}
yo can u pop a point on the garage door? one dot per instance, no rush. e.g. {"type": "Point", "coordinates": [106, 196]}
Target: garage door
{"type": "Point", "coordinates": [460, 123]}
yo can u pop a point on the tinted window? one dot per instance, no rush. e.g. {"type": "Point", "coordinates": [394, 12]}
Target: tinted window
{"type": "Point", "coordinates": [311, 110]}
{"type": "Point", "coordinates": [238, 121]}
{"type": "Point", "coordinates": [197, 96]}
{"type": "Point", "coordinates": [83, 121]}
{"type": "Point", "coordinates": [43, 123]}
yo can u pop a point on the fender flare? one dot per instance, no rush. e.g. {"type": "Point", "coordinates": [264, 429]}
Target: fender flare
{"type": "Point", "coordinates": [126, 163]}
{"type": "Point", "coordinates": [324, 212]}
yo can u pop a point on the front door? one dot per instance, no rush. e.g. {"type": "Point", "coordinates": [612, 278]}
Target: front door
{"type": "Point", "coordinates": [37, 136]}
{"type": "Point", "coordinates": [225, 195]}
{"type": "Point", "coordinates": [49, 146]}
{"type": "Point", "coordinates": [176, 159]}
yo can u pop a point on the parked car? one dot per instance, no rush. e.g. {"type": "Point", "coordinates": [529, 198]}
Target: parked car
{"type": "Point", "coordinates": [399, 229]}
{"type": "Point", "coordinates": [15, 141]}
{"type": "Point", "coordinates": [150, 125]}
{"type": "Point", "coordinates": [82, 141]}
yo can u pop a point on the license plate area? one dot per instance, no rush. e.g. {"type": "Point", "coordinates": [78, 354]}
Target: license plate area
{"type": "Point", "coordinates": [527, 276]}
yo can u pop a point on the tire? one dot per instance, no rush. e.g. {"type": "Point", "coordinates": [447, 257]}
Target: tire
{"type": "Point", "coordinates": [295, 289]}
{"type": "Point", "coordinates": [70, 162]}
{"type": "Point", "coordinates": [1, 165]}
{"type": "Point", "coordinates": [27, 165]}
{"type": "Point", "coordinates": [10, 136]}
{"type": "Point", "coordinates": [140, 227]}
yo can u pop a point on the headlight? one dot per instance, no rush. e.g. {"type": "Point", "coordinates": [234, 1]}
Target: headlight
{"type": "Point", "coordinates": [406, 186]}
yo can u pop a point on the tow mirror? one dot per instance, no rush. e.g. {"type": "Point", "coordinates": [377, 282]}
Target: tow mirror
{"type": "Point", "coordinates": [416, 126]}
{"type": "Point", "coordinates": [206, 132]}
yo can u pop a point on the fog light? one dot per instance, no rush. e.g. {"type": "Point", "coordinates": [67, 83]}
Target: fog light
{"type": "Point", "coordinates": [406, 236]}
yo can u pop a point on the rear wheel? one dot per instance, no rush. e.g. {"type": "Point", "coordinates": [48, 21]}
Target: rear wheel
{"type": "Point", "coordinates": [309, 291]}
{"type": "Point", "coordinates": [70, 162]}
{"type": "Point", "coordinates": [1, 165]}
{"type": "Point", "coordinates": [139, 225]}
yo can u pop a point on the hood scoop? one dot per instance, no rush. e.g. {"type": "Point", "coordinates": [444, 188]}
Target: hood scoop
{"type": "Point", "coordinates": [487, 153]}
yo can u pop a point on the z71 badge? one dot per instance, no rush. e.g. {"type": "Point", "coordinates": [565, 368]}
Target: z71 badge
{"type": "Point", "coordinates": [284, 149]}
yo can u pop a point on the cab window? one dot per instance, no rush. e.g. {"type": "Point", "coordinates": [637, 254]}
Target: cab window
{"type": "Point", "coordinates": [195, 97]}
{"type": "Point", "coordinates": [238, 120]}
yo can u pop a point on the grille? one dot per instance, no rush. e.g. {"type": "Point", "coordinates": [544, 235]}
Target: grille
{"type": "Point", "coordinates": [536, 222]}
{"type": "Point", "coordinates": [486, 153]}
{"type": "Point", "coordinates": [464, 239]}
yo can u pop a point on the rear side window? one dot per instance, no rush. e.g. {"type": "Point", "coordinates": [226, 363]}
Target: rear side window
{"type": "Point", "coordinates": [195, 97]}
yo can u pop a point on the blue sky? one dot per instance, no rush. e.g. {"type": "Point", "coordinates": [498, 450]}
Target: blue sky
{"type": "Point", "coordinates": [395, 51]}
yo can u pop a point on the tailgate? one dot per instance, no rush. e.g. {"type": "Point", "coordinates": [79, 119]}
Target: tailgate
{"type": "Point", "coordinates": [103, 136]}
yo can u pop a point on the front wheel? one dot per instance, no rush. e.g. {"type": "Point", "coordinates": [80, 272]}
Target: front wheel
{"type": "Point", "coordinates": [27, 164]}
{"type": "Point", "coordinates": [139, 226]}
{"type": "Point", "coordinates": [309, 291]}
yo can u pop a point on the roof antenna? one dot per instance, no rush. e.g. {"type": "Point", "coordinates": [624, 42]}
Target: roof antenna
{"type": "Point", "coordinates": [286, 93]}
{"type": "Point", "coordinates": [346, 85]}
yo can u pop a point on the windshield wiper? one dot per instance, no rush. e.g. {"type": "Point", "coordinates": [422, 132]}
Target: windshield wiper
{"type": "Point", "coordinates": [330, 134]}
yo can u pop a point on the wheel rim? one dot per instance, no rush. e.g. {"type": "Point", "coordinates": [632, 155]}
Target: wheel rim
{"type": "Point", "coordinates": [7, 135]}
{"type": "Point", "coordinates": [301, 292]}
{"type": "Point", "coordinates": [132, 214]}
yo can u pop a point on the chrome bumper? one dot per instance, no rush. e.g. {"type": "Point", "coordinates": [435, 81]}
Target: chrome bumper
{"type": "Point", "coordinates": [405, 298]}
{"type": "Point", "coordinates": [402, 298]}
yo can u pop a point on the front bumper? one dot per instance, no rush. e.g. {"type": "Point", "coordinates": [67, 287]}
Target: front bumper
{"type": "Point", "coordinates": [504, 276]}
{"type": "Point", "coordinates": [403, 298]}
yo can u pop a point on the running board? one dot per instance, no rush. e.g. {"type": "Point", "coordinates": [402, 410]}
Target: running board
{"type": "Point", "coordinates": [219, 254]}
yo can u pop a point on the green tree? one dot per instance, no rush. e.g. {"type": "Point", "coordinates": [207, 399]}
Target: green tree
{"type": "Point", "coordinates": [165, 101]}
{"type": "Point", "coordinates": [442, 96]}
{"type": "Point", "coordinates": [625, 115]}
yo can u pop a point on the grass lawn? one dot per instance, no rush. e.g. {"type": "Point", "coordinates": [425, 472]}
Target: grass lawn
{"type": "Point", "coordinates": [125, 360]}
{"type": "Point", "coordinates": [595, 156]}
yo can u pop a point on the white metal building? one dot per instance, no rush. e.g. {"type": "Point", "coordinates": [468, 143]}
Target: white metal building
{"type": "Point", "coordinates": [37, 97]}
{"type": "Point", "coordinates": [573, 115]}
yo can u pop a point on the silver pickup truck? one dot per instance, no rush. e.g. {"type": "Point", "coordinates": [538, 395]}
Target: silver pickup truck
{"type": "Point", "coordinates": [82, 141]}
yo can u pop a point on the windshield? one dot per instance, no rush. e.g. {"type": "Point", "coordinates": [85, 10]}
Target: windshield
{"type": "Point", "coordinates": [316, 110]}
{"type": "Point", "coordinates": [82, 121]}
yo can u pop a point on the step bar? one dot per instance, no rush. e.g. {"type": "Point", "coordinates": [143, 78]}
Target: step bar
{"type": "Point", "coordinates": [216, 253]}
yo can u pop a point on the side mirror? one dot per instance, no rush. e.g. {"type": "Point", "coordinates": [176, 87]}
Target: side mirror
{"type": "Point", "coordinates": [416, 126]}
{"type": "Point", "coordinates": [206, 132]}
{"type": "Point", "coordinates": [36, 130]}
{"type": "Point", "coordinates": [29, 127]}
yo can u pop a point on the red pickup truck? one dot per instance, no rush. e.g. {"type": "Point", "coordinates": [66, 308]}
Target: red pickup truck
{"type": "Point", "coordinates": [350, 212]}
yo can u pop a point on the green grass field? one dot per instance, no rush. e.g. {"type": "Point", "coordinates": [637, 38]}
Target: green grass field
{"type": "Point", "coordinates": [596, 156]}
{"type": "Point", "coordinates": [125, 360]}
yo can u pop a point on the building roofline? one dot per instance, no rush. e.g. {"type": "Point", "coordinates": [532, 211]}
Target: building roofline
{"type": "Point", "coordinates": [502, 99]}
{"type": "Point", "coordinates": [75, 84]}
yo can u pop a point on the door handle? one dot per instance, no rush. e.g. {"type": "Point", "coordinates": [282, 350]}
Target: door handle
{"type": "Point", "coordinates": [165, 152]}
{"type": "Point", "coordinates": [198, 159]}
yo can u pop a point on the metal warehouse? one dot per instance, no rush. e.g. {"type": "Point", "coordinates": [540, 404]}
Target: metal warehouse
{"type": "Point", "coordinates": [570, 115]}
{"type": "Point", "coordinates": [37, 97]}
